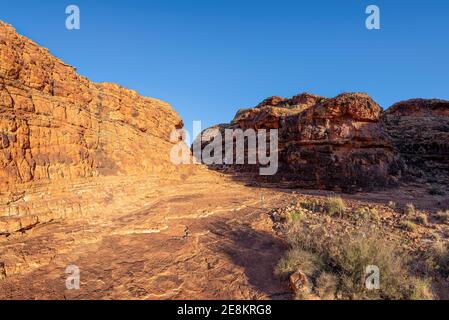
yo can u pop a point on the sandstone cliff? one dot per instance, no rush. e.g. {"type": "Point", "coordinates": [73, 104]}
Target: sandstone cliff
{"type": "Point", "coordinates": [339, 144]}
{"type": "Point", "coordinates": [419, 129]}
{"type": "Point", "coordinates": [57, 127]}
{"type": "Point", "coordinates": [348, 143]}
{"type": "Point", "coordinates": [336, 144]}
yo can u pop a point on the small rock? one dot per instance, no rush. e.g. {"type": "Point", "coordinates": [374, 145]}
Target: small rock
{"type": "Point", "coordinates": [300, 283]}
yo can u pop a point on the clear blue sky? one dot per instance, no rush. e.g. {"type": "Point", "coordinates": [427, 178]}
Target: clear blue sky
{"type": "Point", "coordinates": [210, 58]}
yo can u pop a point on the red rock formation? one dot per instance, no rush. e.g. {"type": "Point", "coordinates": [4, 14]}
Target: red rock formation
{"type": "Point", "coordinates": [57, 127]}
{"type": "Point", "coordinates": [338, 144]}
{"type": "Point", "coordinates": [334, 143]}
{"type": "Point", "coordinates": [419, 129]}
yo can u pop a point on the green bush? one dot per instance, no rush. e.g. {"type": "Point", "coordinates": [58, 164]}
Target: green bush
{"type": "Point", "coordinates": [294, 216]}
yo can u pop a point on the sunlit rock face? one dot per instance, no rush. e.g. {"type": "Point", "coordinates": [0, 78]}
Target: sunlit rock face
{"type": "Point", "coordinates": [57, 127]}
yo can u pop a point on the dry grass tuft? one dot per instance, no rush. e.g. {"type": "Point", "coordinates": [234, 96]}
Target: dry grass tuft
{"type": "Point", "coordinates": [335, 206]}
{"type": "Point", "coordinates": [442, 216]}
{"type": "Point", "coordinates": [410, 210]}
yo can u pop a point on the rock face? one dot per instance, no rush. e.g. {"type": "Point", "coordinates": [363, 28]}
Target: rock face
{"type": "Point", "coordinates": [419, 129]}
{"type": "Point", "coordinates": [334, 143]}
{"type": "Point", "coordinates": [339, 144]}
{"type": "Point", "coordinates": [57, 127]}
{"type": "Point", "coordinates": [348, 143]}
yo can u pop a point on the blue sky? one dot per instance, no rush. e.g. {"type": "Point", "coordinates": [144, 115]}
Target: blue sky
{"type": "Point", "coordinates": [210, 58]}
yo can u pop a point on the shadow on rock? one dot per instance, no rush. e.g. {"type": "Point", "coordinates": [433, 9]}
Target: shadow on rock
{"type": "Point", "coordinates": [257, 252]}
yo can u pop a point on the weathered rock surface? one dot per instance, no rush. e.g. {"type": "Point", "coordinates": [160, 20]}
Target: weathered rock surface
{"type": "Point", "coordinates": [419, 129]}
{"type": "Point", "coordinates": [324, 143]}
{"type": "Point", "coordinates": [57, 127]}
{"type": "Point", "coordinates": [339, 143]}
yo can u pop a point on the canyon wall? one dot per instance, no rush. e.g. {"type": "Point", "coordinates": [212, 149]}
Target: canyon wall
{"type": "Point", "coordinates": [56, 124]}
{"type": "Point", "coordinates": [58, 128]}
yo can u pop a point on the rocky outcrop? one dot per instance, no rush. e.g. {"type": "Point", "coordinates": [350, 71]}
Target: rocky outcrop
{"type": "Point", "coordinates": [348, 143]}
{"type": "Point", "coordinates": [57, 127]}
{"type": "Point", "coordinates": [339, 144]}
{"type": "Point", "coordinates": [419, 129]}
{"type": "Point", "coordinates": [267, 114]}
{"type": "Point", "coordinates": [324, 143]}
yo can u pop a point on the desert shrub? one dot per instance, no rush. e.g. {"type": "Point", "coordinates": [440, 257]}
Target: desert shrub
{"type": "Point", "coordinates": [392, 205]}
{"type": "Point", "coordinates": [421, 219]}
{"type": "Point", "coordinates": [326, 285]}
{"type": "Point", "coordinates": [442, 216]}
{"type": "Point", "coordinates": [294, 216]}
{"type": "Point", "coordinates": [438, 258]}
{"type": "Point", "coordinates": [421, 289]}
{"type": "Point", "coordinates": [311, 205]}
{"type": "Point", "coordinates": [365, 214]}
{"type": "Point", "coordinates": [335, 206]}
{"type": "Point", "coordinates": [297, 259]}
{"type": "Point", "coordinates": [409, 210]}
{"type": "Point", "coordinates": [356, 255]}
{"type": "Point", "coordinates": [409, 226]}
{"type": "Point", "coordinates": [305, 238]}
{"type": "Point", "coordinates": [345, 258]}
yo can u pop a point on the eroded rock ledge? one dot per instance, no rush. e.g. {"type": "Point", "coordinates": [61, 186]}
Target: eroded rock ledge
{"type": "Point", "coordinates": [348, 143]}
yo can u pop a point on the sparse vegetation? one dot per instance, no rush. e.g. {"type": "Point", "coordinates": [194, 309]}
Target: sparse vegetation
{"type": "Point", "coordinates": [310, 205]}
{"type": "Point", "coordinates": [295, 215]}
{"type": "Point", "coordinates": [438, 258]}
{"type": "Point", "coordinates": [338, 264]}
{"type": "Point", "coordinates": [422, 219]}
{"type": "Point", "coordinates": [410, 210]}
{"type": "Point", "coordinates": [392, 205]}
{"type": "Point", "coordinates": [335, 206]}
{"type": "Point", "coordinates": [298, 259]}
{"type": "Point", "coordinates": [422, 289]}
{"type": "Point", "coordinates": [365, 214]}
{"type": "Point", "coordinates": [409, 226]}
{"type": "Point", "coordinates": [326, 285]}
{"type": "Point", "coordinates": [442, 216]}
